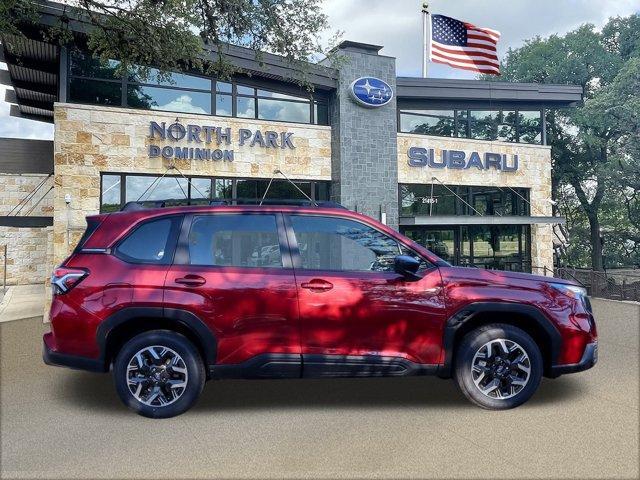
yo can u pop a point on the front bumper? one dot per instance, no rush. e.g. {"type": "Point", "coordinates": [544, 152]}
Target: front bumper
{"type": "Point", "coordinates": [588, 360]}
{"type": "Point", "coordinates": [51, 357]}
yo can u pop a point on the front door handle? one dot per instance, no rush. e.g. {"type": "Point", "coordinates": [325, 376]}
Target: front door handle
{"type": "Point", "coordinates": [191, 280]}
{"type": "Point", "coordinates": [317, 284]}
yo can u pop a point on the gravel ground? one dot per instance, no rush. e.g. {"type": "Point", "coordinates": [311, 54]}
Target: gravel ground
{"type": "Point", "coordinates": [60, 423]}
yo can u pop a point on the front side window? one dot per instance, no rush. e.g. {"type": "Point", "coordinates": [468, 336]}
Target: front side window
{"type": "Point", "coordinates": [327, 243]}
{"type": "Point", "coordinates": [149, 243]}
{"type": "Point", "coordinates": [235, 241]}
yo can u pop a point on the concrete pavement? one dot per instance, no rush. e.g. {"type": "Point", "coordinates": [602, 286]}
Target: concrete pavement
{"type": "Point", "coordinates": [59, 423]}
{"type": "Point", "coordinates": [22, 301]}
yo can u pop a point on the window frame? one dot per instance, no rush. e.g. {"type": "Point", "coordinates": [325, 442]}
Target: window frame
{"type": "Point", "coordinates": [125, 82]}
{"type": "Point", "coordinates": [202, 201]}
{"type": "Point", "coordinates": [182, 253]}
{"type": "Point", "coordinates": [171, 246]}
{"type": "Point", "coordinates": [297, 258]}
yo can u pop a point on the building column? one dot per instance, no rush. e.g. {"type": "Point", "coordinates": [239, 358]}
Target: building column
{"type": "Point", "coordinates": [364, 153]}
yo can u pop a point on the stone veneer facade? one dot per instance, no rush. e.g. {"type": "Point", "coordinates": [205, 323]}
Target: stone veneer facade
{"type": "Point", "coordinates": [534, 173]}
{"type": "Point", "coordinates": [89, 140]}
{"type": "Point", "coordinates": [26, 247]}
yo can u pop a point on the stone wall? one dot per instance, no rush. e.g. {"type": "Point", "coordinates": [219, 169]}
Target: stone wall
{"type": "Point", "coordinates": [92, 139]}
{"type": "Point", "coordinates": [365, 176]}
{"type": "Point", "coordinates": [534, 173]}
{"type": "Point", "coordinates": [26, 247]}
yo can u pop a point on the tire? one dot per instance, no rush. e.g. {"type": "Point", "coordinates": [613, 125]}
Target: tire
{"type": "Point", "coordinates": [160, 387]}
{"type": "Point", "coordinates": [505, 380]}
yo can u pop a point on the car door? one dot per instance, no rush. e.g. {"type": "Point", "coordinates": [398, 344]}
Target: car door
{"type": "Point", "coordinates": [352, 303]}
{"type": "Point", "coordinates": [233, 270]}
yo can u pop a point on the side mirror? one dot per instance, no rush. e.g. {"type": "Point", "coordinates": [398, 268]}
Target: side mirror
{"type": "Point", "coordinates": [407, 267]}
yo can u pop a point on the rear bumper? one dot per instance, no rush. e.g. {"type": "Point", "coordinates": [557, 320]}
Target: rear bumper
{"type": "Point", "coordinates": [588, 360]}
{"type": "Point", "coordinates": [58, 359]}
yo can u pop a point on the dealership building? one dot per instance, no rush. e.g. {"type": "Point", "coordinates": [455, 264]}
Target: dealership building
{"type": "Point", "coordinates": [460, 166]}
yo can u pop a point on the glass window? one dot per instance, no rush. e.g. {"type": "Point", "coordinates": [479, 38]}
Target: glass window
{"type": "Point", "coordinates": [506, 124]}
{"type": "Point", "coordinates": [95, 92]}
{"type": "Point", "coordinates": [152, 75]}
{"type": "Point", "coordinates": [245, 107]}
{"type": "Point", "coordinates": [242, 90]}
{"type": "Point", "coordinates": [462, 119]}
{"type": "Point", "coordinates": [235, 240]}
{"type": "Point", "coordinates": [418, 200]}
{"type": "Point", "coordinates": [223, 188]}
{"type": "Point", "coordinates": [484, 125]}
{"type": "Point", "coordinates": [441, 242]}
{"type": "Point", "coordinates": [529, 127]}
{"type": "Point", "coordinates": [200, 188]}
{"type": "Point", "coordinates": [224, 105]}
{"type": "Point", "coordinates": [283, 190]}
{"type": "Point", "coordinates": [111, 200]}
{"type": "Point", "coordinates": [224, 87]}
{"type": "Point", "coordinates": [267, 93]}
{"type": "Point", "coordinates": [147, 243]}
{"type": "Point", "coordinates": [322, 191]}
{"type": "Point", "coordinates": [321, 113]}
{"type": "Point", "coordinates": [283, 110]}
{"type": "Point", "coordinates": [157, 98]}
{"type": "Point", "coordinates": [247, 189]}
{"type": "Point", "coordinates": [428, 122]}
{"type": "Point", "coordinates": [83, 64]}
{"type": "Point", "coordinates": [340, 244]}
{"type": "Point", "coordinates": [172, 190]}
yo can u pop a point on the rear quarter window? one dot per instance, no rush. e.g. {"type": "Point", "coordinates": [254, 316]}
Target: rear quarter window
{"type": "Point", "coordinates": [152, 242]}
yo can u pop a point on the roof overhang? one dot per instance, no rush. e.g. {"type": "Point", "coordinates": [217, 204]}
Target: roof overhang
{"type": "Point", "coordinates": [468, 93]}
{"type": "Point", "coordinates": [480, 220]}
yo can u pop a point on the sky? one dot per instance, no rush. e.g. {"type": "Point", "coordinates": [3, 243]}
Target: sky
{"type": "Point", "coordinates": [397, 25]}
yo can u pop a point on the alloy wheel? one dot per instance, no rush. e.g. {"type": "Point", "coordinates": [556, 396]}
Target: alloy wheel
{"type": "Point", "coordinates": [500, 369]}
{"type": "Point", "coordinates": [157, 376]}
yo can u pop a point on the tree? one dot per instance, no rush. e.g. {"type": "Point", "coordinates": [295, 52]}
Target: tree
{"type": "Point", "coordinates": [172, 35]}
{"type": "Point", "coordinates": [594, 146]}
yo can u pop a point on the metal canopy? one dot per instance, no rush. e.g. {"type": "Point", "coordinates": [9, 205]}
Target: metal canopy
{"type": "Point", "coordinates": [469, 92]}
{"type": "Point", "coordinates": [479, 220]}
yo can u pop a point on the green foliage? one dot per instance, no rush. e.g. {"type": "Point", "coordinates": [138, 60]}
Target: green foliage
{"type": "Point", "coordinates": [172, 35]}
{"type": "Point", "coordinates": [596, 146]}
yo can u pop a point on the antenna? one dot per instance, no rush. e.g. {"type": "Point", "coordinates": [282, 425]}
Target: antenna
{"type": "Point", "coordinates": [278, 171]}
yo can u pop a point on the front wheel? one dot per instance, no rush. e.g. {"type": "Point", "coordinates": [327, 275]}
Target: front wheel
{"type": "Point", "coordinates": [159, 374]}
{"type": "Point", "coordinates": [498, 366]}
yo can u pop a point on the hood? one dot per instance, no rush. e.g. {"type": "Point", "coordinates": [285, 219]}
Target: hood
{"type": "Point", "coordinates": [500, 276]}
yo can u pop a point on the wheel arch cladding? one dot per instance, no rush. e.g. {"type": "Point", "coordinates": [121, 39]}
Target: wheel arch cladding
{"type": "Point", "coordinates": [129, 322]}
{"type": "Point", "coordinates": [526, 317]}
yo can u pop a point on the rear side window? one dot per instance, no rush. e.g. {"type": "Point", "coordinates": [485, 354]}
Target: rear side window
{"type": "Point", "coordinates": [151, 242]}
{"type": "Point", "coordinates": [235, 241]}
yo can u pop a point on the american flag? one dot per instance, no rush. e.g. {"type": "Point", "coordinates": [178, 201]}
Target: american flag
{"type": "Point", "coordinates": [463, 45]}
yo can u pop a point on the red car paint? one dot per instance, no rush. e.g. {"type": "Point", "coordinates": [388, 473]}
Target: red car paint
{"type": "Point", "coordinates": [253, 311]}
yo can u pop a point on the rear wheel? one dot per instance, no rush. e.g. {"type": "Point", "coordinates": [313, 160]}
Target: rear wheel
{"type": "Point", "coordinates": [159, 374]}
{"type": "Point", "coordinates": [498, 366]}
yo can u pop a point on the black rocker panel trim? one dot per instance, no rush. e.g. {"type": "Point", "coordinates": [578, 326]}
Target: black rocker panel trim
{"type": "Point", "coordinates": [468, 312]}
{"type": "Point", "coordinates": [332, 366]}
{"type": "Point", "coordinates": [266, 365]}
{"type": "Point", "coordinates": [72, 361]}
{"type": "Point", "coordinates": [185, 318]}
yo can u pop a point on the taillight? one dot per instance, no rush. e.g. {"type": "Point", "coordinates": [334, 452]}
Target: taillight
{"type": "Point", "coordinates": [64, 279]}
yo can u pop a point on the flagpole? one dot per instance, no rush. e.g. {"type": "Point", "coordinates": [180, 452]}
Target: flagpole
{"type": "Point", "coordinates": [426, 37]}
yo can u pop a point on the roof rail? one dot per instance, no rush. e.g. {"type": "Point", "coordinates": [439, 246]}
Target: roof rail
{"type": "Point", "coordinates": [293, 202]}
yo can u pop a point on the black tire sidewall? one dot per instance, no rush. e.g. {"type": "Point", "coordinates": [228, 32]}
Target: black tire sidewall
{"type": "Point", "coordinates": [467, 350]}
{"type": "Point", "coordinates": [184, 348]}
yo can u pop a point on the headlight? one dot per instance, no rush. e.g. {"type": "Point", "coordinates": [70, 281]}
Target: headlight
{"type": "Point", "coordinates": [573, 291]}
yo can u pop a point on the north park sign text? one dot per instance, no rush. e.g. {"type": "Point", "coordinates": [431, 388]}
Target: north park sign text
{"type": "Point", "coordinates": [206, 135]}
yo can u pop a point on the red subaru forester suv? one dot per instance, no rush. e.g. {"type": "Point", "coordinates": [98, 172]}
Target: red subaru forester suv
{"type": "Point", "coordinates": [171, 297]}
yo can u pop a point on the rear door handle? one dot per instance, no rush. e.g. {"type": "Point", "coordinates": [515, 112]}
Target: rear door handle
{"type": "Point", "coordinates": [318, 285]}
{"type": "Point", "coordinates": [191, 280]}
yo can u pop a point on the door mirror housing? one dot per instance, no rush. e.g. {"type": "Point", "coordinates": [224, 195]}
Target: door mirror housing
{"type": "Point", "coordinates": [407, 267]}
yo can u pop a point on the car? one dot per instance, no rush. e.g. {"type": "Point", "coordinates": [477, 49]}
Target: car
{"type": "Point", "coordinates": [168, 298]}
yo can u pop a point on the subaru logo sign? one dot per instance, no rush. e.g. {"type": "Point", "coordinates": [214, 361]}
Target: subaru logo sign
{"type": "Point", "coordinates": [371, 92]}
